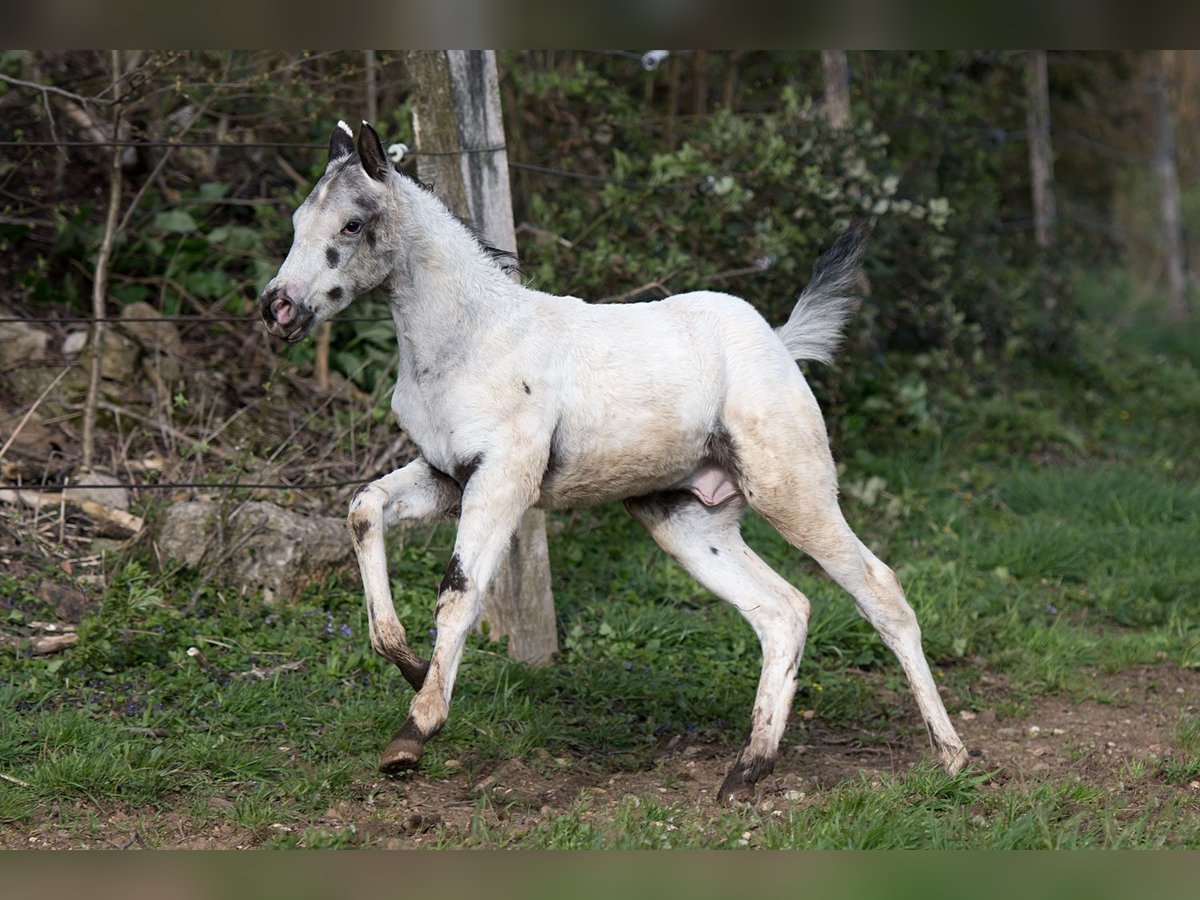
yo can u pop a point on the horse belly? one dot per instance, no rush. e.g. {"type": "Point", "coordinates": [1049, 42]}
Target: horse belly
{"type": "Point", "coordinates": [579, 474]}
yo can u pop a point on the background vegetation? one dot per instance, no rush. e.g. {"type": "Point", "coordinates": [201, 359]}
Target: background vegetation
{"type": "Point", "coordinates": [1016, 428]}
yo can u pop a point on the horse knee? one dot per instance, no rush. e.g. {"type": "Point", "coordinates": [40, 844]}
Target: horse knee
{"type": "Point", "coordinates": [366, 511]}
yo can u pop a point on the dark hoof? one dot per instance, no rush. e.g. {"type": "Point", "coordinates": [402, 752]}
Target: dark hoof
{"type": "Point", "coordinates": [736, 790]}
{"type": "Point", "coordinates": [404, 752]}
{"type": "Point", "coordinates": [401, 755]}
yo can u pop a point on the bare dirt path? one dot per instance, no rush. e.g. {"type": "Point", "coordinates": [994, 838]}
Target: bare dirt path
{"type": "Point", "coordinates": [1100, 741]}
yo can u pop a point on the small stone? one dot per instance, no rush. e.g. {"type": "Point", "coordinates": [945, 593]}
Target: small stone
{"type": "Point", "coordinates": [99, 487]}
{"type": "Point", "coordinates": [74, 342]}
{"type": "Point", "coordinates": [1058, 731]}
{"type": "Point", "coordinates": [1034, 731]}
{"type": "Point", "coordinates": [966, 715]}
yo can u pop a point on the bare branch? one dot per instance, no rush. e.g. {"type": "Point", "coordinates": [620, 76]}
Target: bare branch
{"type": "Point", "coordinates": [51, 89]}
{"type": "Point", "coordinates": [100, 282]}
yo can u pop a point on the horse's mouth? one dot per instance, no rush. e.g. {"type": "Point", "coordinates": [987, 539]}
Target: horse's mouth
{"type": "Point", "coordinates": [296, 332]}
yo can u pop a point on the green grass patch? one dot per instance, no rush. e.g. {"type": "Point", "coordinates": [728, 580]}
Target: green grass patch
{"type": "Point", "coordinates": [1044, 531]}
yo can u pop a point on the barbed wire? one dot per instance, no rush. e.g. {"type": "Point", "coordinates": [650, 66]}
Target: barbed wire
{"type": "Point", "coordinates": [183, 485]}
{"type": "Point", "coordinates": [84, 320]}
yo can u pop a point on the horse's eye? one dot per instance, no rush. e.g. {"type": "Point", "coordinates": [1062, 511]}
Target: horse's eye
{"type": "Point", "coordinates": [353, 227]}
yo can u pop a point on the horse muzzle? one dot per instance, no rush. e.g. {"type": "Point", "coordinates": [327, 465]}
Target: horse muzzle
{"type": "Point", "coordinates": [285, 317]}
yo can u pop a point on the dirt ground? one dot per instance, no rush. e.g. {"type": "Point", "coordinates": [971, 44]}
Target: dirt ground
{"type": "Point", "coordinates": [1058, 740]}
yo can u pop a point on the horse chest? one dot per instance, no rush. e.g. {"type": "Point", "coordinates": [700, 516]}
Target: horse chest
{"type": "Point", "coordinates": [420, 410]}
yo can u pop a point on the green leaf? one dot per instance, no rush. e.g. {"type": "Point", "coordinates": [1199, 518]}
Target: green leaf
{"type": "Point", "coordinates": [174, 221]}
{"type": "Point", "coordinates": [214, 190]}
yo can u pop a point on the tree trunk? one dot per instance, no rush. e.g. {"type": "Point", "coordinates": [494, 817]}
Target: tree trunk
{"type": "Point", "coordinates": [1168, 178]}
{"type": "Point", "coordinates": [457, 106]}
{"type": "Point", "coordinates": [699, 83]}
{"type": "Point", "coordinates": [837, 87]}
{"type": "Point", "coordinates": [1041, 156]}
{"type": "Point", "coordinates": [729, 82]}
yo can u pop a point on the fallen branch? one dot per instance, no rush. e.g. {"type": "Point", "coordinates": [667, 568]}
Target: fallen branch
{"type": "Point", "coordinates": [17, 781]}
{"type": "Point", "coordinates": [264, 674]}
{"type": "Point", "coordinates": [113, 522]}
{"type": "Point", "coordinates": [53, 627]}
{"type": "Point", "coordinates": [55, 643]}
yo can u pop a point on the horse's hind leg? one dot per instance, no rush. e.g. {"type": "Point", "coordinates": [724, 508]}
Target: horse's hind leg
{"type": "Point", "coordinates": [787, 475]}
{"type": "Point", "coordinates": [707, 542]}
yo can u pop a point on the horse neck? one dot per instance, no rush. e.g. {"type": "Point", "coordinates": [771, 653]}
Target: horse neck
{"type": "Point", "coordinates": [444, 283]}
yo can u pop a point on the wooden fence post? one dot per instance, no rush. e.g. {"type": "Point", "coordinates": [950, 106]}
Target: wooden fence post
{"type": "Point", "coordinates": [1041, 158]}
{"type": "Point", "coordinates": [1168, 179]}
{"type": "Point", "coordinates": [456, 106]}
{"type": "Point", "coordinates": [837, 87]}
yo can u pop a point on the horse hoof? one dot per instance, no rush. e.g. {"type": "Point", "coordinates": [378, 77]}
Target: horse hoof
{"type": "Point", "coordinates": [401, 755]}
{"type": "Point", "coordinates": [736, 790]}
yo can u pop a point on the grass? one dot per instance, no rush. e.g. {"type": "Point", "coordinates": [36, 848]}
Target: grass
{"type": "Point", "coordinates": [1051, 533]}
{"type": "Point", "coordinates": [924, 809]}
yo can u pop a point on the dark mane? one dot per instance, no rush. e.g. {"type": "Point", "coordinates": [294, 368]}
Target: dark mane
{"type": "Point", "coordinates": [504, 260]}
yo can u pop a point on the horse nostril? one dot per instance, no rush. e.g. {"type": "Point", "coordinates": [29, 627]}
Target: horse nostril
{"type": "Point", "coordinates": [282, 309]}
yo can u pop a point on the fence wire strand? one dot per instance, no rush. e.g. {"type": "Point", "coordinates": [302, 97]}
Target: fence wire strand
{"type": "Point", "coordinates": [1074, 213]}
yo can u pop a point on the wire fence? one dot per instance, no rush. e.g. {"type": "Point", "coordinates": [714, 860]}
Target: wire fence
{"type": "Point", "coordinates": [1076, 213]}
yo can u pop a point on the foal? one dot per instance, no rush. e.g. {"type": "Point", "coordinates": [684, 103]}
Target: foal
{"type": "Point", "coordinates": [690, 410]}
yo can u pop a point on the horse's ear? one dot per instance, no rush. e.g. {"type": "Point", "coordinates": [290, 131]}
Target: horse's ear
{"type": "Point", "coordinates": [341, 144]}
{"type": "Point", "coordinates": [370, 151]}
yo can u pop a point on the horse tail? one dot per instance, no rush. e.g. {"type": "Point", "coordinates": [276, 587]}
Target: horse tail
{"type": "Point", "coordinates": [814, 329]}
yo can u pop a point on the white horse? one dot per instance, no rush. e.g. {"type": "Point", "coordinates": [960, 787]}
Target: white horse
{"type": "Point", "coordinates": [689, 409]}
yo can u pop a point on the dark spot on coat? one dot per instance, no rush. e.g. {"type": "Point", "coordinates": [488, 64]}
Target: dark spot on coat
{"type": "Point", "coordinates": [715, 551]}
{"type": "Point", "coordinates": [360, 527]}
{"type": "Point", "coordinates": [464, 470]}
{"type": "Point", "coordinates": [454, 580]}
{"type": "Point", "coordinates": [335, 293]}
{"type": "Point", "coordinates": [554, 459]}
{"type": "Point", "coordinates": [659, 506]}
{"type": "Point", "coordinates": [367, 204]}
{"type": "Point", "coordinates": [526, 386]}
{"type": "Point", "coordinates": [372, 237]}
{"type": "Point", "coordinates": [442, 476]}
{"type": "Point", "coordinates": [332, 257]}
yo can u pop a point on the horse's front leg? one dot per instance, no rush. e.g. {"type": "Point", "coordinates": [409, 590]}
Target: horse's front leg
{"type": "Point", "coordinates": [416, 492]}
{"type": "Point", "coordinates": [494, 499]}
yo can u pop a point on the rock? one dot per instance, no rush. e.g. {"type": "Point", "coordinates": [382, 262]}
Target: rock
{"type": "Point", "coordinates": [74, 343]}
{"type": "Point", "coordinates": [69, 602]}
{"type": "Point", "coordinates": [120, 357]}
{"type": "Point", "coordinates": [160, 339]}
{"type": "Point", "coordinates": [261, 546]}
{"type": "Point", "coordinates": [20, 342]}
{"type": "Point", "coordinates": [82, 480]}
{"type": "Point", "coordinates": [22, 349]}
